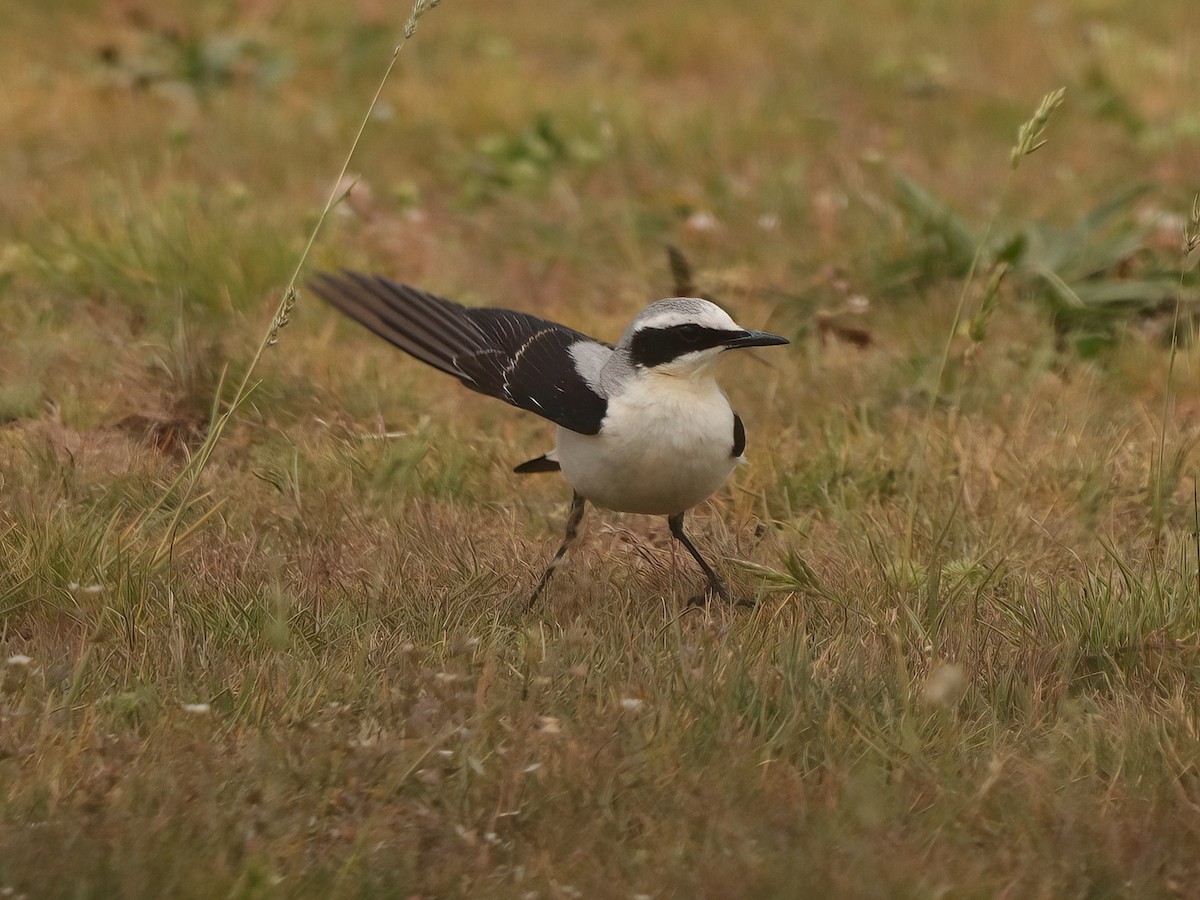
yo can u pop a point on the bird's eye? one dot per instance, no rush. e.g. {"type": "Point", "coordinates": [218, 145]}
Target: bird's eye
{"type": "Point", "coordinates": [690, 333]}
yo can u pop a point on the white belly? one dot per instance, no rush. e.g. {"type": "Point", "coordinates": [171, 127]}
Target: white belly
{"type": "Point", "coordinates": [666, 445]}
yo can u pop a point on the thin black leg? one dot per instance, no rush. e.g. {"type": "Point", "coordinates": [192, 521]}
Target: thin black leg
{"type": "Point", "coordinates": [715, 585]}
{"type": "Point", "coordinates": [573, 520]}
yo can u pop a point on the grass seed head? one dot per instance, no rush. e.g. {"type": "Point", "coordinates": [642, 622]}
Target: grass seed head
{"type": "Point", "coordinates": [283, 315]}
{"type": "Point", "coordinates": [420, 7]}
{"type": "Point", "coordinates": [978, 327]}
{"type": "Point", "coordinates": [1191, 231]}
{"type": "Point", "coordinates": [1029, 137]}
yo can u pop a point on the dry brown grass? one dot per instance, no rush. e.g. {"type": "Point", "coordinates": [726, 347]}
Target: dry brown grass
{"type": "Point", "coordinates": [973, 667]}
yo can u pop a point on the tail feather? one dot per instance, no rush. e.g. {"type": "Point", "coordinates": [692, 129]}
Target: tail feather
{"type": "Point", "coordinates": [541, 464]}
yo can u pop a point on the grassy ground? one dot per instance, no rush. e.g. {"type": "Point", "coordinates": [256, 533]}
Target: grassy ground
{"type": "Point", "coordinates": [973, 667]}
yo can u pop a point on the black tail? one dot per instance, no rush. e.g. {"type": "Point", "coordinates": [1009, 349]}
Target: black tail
{"type": "Point", "coordinates": [541, 464]}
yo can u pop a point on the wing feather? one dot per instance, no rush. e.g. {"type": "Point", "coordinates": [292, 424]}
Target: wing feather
{"type": "Point", "coordinates": [516, 357]}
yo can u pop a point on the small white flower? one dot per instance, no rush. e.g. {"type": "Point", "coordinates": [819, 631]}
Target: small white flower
{"type": "Point", "coordinates": [701, 220]}
{"type": "Point", "coordinates": [945, 685]}
{"type": "Point", "coordinates": [632, 704]}
{"type": "Point", "coordinates": [197, 709]}
{"type": "Point", "coordinates": [19, 660]}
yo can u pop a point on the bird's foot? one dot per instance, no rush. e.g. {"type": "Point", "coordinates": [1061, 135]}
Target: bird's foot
{"type": "Point", "coordinates": [718, 591]}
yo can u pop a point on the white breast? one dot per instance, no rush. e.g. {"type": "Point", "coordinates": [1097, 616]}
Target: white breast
{"type": "Point", "coordinates": [665, 446]}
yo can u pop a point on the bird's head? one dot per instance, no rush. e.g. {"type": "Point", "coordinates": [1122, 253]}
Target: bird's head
{"type": "Point", "coordinates": [684, 335]}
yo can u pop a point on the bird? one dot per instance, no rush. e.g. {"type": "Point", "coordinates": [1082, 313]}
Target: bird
{"type": "Point", "coordinates": [642, 425]}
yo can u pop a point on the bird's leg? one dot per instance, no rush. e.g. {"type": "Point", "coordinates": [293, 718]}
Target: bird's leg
{"type": "Point", "coordinates": [715, 585]}
{"type": "Point", "coordinates": [573, 520]}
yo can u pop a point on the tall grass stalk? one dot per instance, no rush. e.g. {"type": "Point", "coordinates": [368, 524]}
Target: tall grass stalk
{"type": "Point", "coordinates": [1191, 240]}
{"type": "Point", "coordinates": [185, 483]}
{"type": "Point", "coordinates": [1030, 137]}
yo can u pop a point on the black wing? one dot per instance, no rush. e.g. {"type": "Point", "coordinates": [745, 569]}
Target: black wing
{"type": "Point", "coordinates": [518, 358]}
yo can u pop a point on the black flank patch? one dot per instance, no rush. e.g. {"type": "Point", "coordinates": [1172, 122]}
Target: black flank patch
{"type": "Point", "coordinates": [739, 436]}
